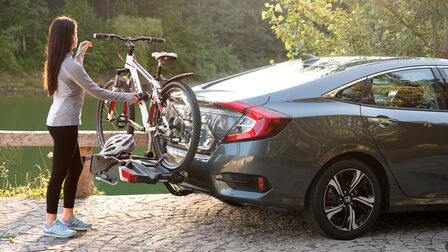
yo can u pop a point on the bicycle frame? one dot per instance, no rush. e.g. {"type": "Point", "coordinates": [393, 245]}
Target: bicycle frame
{"type": "Point", "coordinates": [134, 67]}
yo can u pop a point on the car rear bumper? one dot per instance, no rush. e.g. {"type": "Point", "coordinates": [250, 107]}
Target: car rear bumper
{"type": "Point", "coordinates": [284, 181]}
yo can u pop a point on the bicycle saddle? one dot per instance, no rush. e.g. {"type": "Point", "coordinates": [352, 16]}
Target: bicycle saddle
{"type": "Point", "coordinates": [165, 56]}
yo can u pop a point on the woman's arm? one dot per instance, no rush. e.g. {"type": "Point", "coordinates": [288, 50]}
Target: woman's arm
{"type": "Point", "coordinates": [82, 48]}
{"type": "Point", "coordinates": [78, 75]}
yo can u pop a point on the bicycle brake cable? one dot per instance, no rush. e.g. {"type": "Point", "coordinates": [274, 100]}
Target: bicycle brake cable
{"type": "Point", "coordinates": [118, 53]}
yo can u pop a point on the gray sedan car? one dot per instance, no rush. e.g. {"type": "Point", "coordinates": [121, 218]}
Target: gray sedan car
{"type": "Point", "coordinates": [341, 138]}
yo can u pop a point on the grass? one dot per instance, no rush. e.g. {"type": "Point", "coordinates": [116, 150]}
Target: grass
{"type": "Point", "coordinates": [30, 81]}
{"type": "Point", "coordinates": [21, 80]}
{"type": "Point", "coordinates": [34, 187]}
{"type": "Point", "coordinates": [249, 224]}
{"type": "Point", "coordinates": [10, 237]}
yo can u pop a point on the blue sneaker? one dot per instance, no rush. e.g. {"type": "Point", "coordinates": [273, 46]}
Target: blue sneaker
{"type": "Point", "coordinates": [76, 224]}
{"type": "Point", "coordinates": [58, 229]}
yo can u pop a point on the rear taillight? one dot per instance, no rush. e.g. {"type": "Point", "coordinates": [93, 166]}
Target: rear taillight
{"type": "Point", "coordinates": [257, 123]}
{"type": "Point", "coordinates": [127, 174]}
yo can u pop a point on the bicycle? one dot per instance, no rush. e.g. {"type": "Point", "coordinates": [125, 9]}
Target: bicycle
{"type": "Point", "coordinates": [173, 121]}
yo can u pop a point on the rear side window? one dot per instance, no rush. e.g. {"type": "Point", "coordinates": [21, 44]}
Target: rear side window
{"type": "Point", "coordinates": [445, 69]}
{"type": "Point", "coordinates": [444, 86]}
{"type": "Point", "coordinates": [404, 89]}
{"type": "Point", "coordinates": [351, 93]}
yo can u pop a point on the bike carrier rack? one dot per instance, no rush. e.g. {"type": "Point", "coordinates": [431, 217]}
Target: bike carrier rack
{"type": "Point", "coordinates": [135, 169]}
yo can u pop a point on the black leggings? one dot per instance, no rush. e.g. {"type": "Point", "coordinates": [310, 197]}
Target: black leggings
{"type": "Point", "coordinates": [67, 165]}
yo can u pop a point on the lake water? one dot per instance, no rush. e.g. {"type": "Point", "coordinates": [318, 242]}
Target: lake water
{"type": "Point", "coordinates": [29, 112]}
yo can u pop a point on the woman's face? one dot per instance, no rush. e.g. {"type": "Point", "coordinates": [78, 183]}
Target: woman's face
{"type": "Point", "coordinates": [75, 38]}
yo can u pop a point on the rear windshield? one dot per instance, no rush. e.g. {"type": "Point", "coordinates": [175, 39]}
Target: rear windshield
{"type": "Point", "coordinates": [284, 75]}
{"type": "Point", "coordinates": [271, 79]}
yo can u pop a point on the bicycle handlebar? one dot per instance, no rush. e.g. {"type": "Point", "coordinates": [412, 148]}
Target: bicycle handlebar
{"type": "Point", "coordinates": [114, 36]}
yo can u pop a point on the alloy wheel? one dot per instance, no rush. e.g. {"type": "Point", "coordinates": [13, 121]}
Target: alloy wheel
{"type": "Point", "coordinates": [349, 199]}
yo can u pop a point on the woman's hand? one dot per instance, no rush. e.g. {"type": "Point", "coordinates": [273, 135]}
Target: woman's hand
{"type": "Point", "coordinates": [82, 48]}
{"type": "Point", "coordinates": [135, 99]}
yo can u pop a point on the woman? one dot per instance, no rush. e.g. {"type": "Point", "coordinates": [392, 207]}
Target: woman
{"type": "Point", "coordinates": [66, 80]}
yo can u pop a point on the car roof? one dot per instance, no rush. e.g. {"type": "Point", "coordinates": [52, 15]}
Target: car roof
{"type": "Point", "coordinates": [346, 69]}
{"type": "Point", "coordinates": [299, 79]}
{"type": "Point", "coordinates": [346, 62]}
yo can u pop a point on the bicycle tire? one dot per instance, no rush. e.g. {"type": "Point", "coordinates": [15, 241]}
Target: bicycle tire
{"type": "Point", "coordinates": [103, 124]}
{"type": "Point", "coordinates": [190, 127]}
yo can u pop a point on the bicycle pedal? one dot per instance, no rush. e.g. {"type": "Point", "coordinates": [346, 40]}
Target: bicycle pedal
{"type": "Point", "coordinates": [175, 140]}
{"type": "Point", "coordinates": [122, 121]}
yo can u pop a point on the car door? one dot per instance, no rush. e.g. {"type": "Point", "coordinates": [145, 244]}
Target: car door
{"type": "Point", "coordinates": [404, 114]}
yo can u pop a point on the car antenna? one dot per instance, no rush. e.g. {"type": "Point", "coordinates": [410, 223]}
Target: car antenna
{"type": "Point", "coordinates": [309, 59]}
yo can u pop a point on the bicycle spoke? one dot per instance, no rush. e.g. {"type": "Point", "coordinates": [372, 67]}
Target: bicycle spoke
{"type": "Point", "coordinates": [112, 115]}
{"type": "Point", "coordinates": [176, 110]}
{"type": "Point", "coordinates": [175, 144]}
{"type": "Point", "coordinates": [187, 105]}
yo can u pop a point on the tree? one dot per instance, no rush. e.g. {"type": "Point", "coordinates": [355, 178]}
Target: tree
{"type": "Point", "coordinates": [381, 27]}
{"type": "Point", "coordinates": [138, 26]}
{"type": "Point", "coordinates": [101, 57]}
{"type": "Point", "coordinates": [213, 38]}
{"type": "Point", "coordinates": [23, 25]}
{"type": "Point", "coordinates": [8, 60]}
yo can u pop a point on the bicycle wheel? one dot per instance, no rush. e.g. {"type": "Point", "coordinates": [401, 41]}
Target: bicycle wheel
{"type": "Point", "coordinates": [177, 145]}
{"type": "Point", "coordinates": [111, 116]}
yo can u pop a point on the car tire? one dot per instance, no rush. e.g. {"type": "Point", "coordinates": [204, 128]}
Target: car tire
{"type": "Point", "coordinates": [344, 201]}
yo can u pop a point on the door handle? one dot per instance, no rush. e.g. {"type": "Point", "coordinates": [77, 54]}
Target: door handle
{"type": "Point", "coordinates": [382, 121]}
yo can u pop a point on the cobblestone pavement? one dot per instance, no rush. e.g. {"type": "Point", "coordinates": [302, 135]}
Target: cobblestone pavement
{"type": "Point", "coordinates": [201, 223]}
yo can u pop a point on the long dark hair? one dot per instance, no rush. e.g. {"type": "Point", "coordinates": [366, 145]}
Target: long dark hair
{"type": "Point", "coordinates": [60, 41]}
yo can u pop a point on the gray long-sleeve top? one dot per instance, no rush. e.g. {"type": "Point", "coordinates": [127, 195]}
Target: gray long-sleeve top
{"type": "Point", "coordinates": [73, 82]}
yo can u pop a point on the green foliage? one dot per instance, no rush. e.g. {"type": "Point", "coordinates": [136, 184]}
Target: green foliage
{"type": "Point", "coordinates": [216, 37]}
{"type": "Point", "coordinates": [198, 52]}
{"type": "Point", "coordinates": [34, 187]}
{"type": "Point", "coordinates": [331, 27]}
{"type": "Point", "coordinates": [117, 7]}
{"type": "Point", "coordinates": [11, 238]}
{"type": "Point", "coordinates": [309, 26]}
{"type": "Point", "coordinates": [249, 224]}
{"type": "Point", "coordinates": [213, 38]}
{"type": "Point", "coordinates": [8, 60]}
{"type": "Point", "coordinates": [31, 83]}
{"type": "Point", "coordinates": [138, 26]}
{"type": "Point", "coordinates": [99, 57]}
{"type": "Point", "coordinates": [24, 24]}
